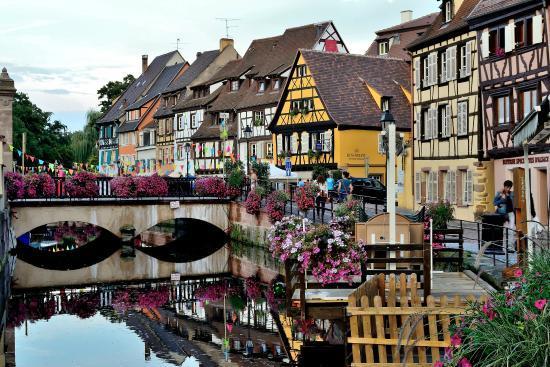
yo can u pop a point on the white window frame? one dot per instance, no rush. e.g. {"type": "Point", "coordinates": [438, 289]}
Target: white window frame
{"type": "Point", "coordinates": [448, 11]}
{"type": "Point", "coordinates": [235, 85]}
{"type": "Point", "coordinates": [462, 118]}
{"type": "Point", "coordinates": [261, 86]}
{"type": "Point", "coordinates": [503, 116]}
{"type": "Point", "coordinates": [383, 47]}
{"type": "Point", "coordinates": [260, 115]}
{"type": "Point", "coordinates": [467, 187]}
{"type": "Point", "coordinates": [444, 67]}
{"type": "Point", "coordinates": [276, 84]}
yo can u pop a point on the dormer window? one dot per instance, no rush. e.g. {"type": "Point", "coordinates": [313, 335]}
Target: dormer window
{"type": "Point", "coordinates": [301, 70]}
{"type": "Point", "coordinates": [261, 86]}
{"type": "Point", "coordinates": [234, 85]}
{"type": "Point", "coordinates": [276, 84]}
{"type": "Point", "coordinates": [385, 104]}
{"type": "Point", "coordinates": [383, 47]}
{"type": "Point", "coordinates": [448, 9]}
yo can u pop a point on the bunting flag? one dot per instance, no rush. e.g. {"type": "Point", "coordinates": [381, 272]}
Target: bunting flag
{"type": "Point", "coordinates": [40, 162]}
{"type": "Point", "coordinates": [11, 147]}
{"type": "Point", "coordinates": [230, 328]}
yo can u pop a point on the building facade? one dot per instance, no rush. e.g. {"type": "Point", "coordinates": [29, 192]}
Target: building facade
{"type": "Point", "coordinates": [329, 114]}
{"type": "Point", "coordinates": [447, 144]}
{"type": "Point", "coordinates": [513, 57]}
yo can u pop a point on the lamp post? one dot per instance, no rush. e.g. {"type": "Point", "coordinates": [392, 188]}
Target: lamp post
{"type": "Point", "coordinates": [187, 150]}
{"type": "Point", "coordinates": [247, 133]}
{"type": "Point", "coordinates": [388, 125]}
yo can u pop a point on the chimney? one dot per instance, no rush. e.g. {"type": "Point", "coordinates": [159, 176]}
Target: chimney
{"type": "Point", "coordinates": [224, 42]}
{"type": "Point", "coordinates": [199, 54]}
{"type": "Point", "coordinates": [144, 64]}
{"type": "Point", "coordinates": [406, 16]}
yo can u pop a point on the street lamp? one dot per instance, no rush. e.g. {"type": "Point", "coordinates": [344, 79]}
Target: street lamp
{"type": "Point", "coordinates": [247, 133]}
{"type": "Point", "coordinates": [187, 150]}
{"type": "Point", "coordinates": [388, 125]}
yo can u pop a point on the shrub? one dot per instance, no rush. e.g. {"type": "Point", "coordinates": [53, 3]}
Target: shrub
{"type": "Point", "coordinates": [124, 186]}
{"type": "Point", "coordinates": [82, 185]}
{"type": "Point", "coordinates": [151, 186]}
{"type": "Point", "coordinates": [253, 202]}
{"type": "Point", "coordinates": [39, 186]}
{"type": "Point", "coordinates": [211, 186]}
{"type": "Point", "coordinates": [319, 170]}
{"type": "Point", "coordinates": [305, 196]}
{"type": "Point", "coordinates": [275, 205]}
{"type": "Point", "coordinates": [15, 186]}
{"type": "Point", "coordinates": [284, 237]}
{"type": "Point", "coordinates": [441, 213]}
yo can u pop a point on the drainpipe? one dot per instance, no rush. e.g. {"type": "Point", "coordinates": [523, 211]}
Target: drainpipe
{"type": "Point", "coordinates": [527, 198]}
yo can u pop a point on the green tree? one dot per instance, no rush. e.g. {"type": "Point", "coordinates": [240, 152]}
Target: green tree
{"type": "Point", "coordinates": [46, 140]}
{"type": "Point", "coordinates": [83, 143]}
{"type": "Point", "coordinates": [112, 90]}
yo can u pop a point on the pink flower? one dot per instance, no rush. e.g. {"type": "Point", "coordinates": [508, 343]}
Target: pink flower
{"type": "Point", "coordinates": [438, 364]}
{"type": "Point", "coordinates": [540, 304]}
{"type": "Point", "coordinates": [456, 340]}
{"type": "Point", "coordinates": [518, 272]}
{"type": "Point", "coordinates": [464, 362]}
{"type": "Point", "coordinates": [529, 316]}
{"type": "Point", "coordinates": [487, 309]}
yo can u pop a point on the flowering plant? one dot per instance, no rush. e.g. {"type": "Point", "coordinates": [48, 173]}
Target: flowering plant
{"type": "Point", "coordinates": [15, 186]}
{"type": "Point", "coordinates": [253, 288]}
{"type": "Point", "coordinates": [127, 299]}
{"type": "Point", "coordinates": [124, 186]}
{"type": "Point", "coordinates": [82, 185]}
{"type": "Point", "coordinates": [253, 202]}
{"type": "Point", "coordinates": [151, 186]}
{"type": "Point", "coordinates": [215, 291]}
{"type": "Point", "coordinates": [211, 186]}
{"type": "Point", "coordinates": [285, 237]}
{"type": "Point", "coordinates": [305, 196]}
{"type": "Point", "coordinates": [511, 328]}
{"type": "Point", "coordinates": [41, 185]}
{"type": "Point", "coordinates": [275, 205]}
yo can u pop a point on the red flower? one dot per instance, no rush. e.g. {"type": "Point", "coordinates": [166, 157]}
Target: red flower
{"type": "Point", "coordinates": [464, 362]}
{"type": "Point", "coordinates": [540, 304]}
{"type": "Point", "coordinates": [518, 272]}
{"type": "Point", "coordinates": [456, 340]}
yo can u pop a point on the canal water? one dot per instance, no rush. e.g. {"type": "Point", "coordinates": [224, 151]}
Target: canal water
{"type": "Point", "coordinates": [153, 324]}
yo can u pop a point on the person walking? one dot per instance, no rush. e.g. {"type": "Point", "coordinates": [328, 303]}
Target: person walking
{"type": "Point", "coordinates": [504, 205]}
{"type": "Point", "coordinates": [344, 187]}
{"type": "Point", "coordinates": [322, 195]}
{"type": "Point", "coordinates": [330, 186]}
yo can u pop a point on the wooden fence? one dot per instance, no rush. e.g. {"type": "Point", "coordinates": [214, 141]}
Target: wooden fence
{"type": "Point", "coordinates": [391, 323]}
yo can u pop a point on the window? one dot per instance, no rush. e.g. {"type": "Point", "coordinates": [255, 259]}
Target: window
{"type": "Point", "coordinates": [381, 149]}
{"type": "Point", "coordinates": [269, 150]}
{"type": "Point", "coordinates": [276, 84]}
{"type": "Point", "coordinates": [417, 187]}
{"type": "Point", "coordinates": [467, 187]}
{"type": "Point", "coordinates": [523, 32]}
{"type": "Point", "coordinates": [383, 47]}
{"type": "Point", "coordinates": [527, 101]}
{"type": "Point", "coordinates": [497, 40]}
{"type": "Point", "coordinates": [259, 118]}
{"type": "Point", "coordinates": [301, 70]}
{"type": "Point", "coordinates": [451, 63]}
{"type": "Point", "coordinates": [432, 186]}
{"type": "Point", "coordinates": [445, 121]}
{"type": "Point", "coordinates": [300, 105]}
{"type": "Point", "coordinates": [443, 68]}
{"type": "Point", "coordinates": [253, 150]}
{"type": "Point", "coordinates": [261, 87]}
{"type": "Point", "coordinates": [222, 118]}
{"type": "Point", "coordinates": [466, 60]}
{"type": "Point", "coordinates": [430, 123]}
{"type": "Point", "coordinates": [161, 127]}
{"type": "Point", "coordinates": [385, 103]}
{"type": "Point", "coordinates": [450, 187]}
{"type": "Point", "coordinates": [234, 85]}
{"type": "Point", "coordinates": [462, 118]}
{"type": "Point", "coordinates": [321, 141]}
{"type": "Point", "coordinates": [193, 120]}
{"type": "Point", "coordinates": [146, 139]}
{"type": "Point", "coordinates": [501, 109]}
{"type": "Point", "coordinates": [430, 69]}
{"type": "Point", "coordinates": [448, 11]}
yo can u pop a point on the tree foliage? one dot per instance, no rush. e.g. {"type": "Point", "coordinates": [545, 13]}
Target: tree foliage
{"type": "Point", "coordinates": [111, 90]}
{"type": "Point", "coordinates": [47, 140]}
{"type": "Point", "coordinates": [83, 142]}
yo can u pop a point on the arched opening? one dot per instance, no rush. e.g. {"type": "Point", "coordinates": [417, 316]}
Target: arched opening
{"type": "Point", "coordinates": [181, 240]}
{"type": "Point", "coordinates": [67, 245]}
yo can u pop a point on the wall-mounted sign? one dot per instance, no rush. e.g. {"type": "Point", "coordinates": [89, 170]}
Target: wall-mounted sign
{"type": "Point", "coordinates": [513, 161]}
{"type": "Point", "coordinates": [174, 204]}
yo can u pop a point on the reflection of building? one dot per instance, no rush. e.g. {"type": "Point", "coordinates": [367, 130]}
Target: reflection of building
{"type": "Point", "coordinates": [514, 79]}
{"type": "Point", "coordinates": [329, 112]}
{"type": "Point", "coordinates": [446, 127]}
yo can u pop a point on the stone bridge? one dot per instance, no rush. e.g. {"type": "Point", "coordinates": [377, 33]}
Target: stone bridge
{"type": "Point", "coordinates": [112, 214]}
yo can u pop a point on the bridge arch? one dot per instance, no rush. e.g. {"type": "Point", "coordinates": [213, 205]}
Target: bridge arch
{"type": "Point", "coordinates": [112, 215]}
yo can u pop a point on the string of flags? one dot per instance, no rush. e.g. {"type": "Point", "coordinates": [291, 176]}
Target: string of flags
{"type": "Point", "coordinates": [43, 166]}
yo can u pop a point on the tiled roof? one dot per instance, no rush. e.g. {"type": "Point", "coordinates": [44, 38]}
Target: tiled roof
{"type": "Point", "coordinates": [165, 78]}
{"type": "Point", "coordinates": [489, 7]}
{"type": "Point", "coordinates": [197, 67]}
{"type": "Point", "coordinates": [193, 103]}
{"type": "Point", "coordinates": [228, 100]}
{"type": "Point", "coordinates": [210, 131]}
{"type": "Point", "coordinates": [128, 126]}
{"type": "Point", "coordinates": [138, 87]}
{"type": "Point", "coordinates": [407, 32]}
{"type": "Point", "coordinates": [342, 80]}
{"type": "Point", "coordinates": [273, 55]}
{"type": "Point", "coordinates": [251, 97]}
{"type": "Point", "coordinates": [440, 29]}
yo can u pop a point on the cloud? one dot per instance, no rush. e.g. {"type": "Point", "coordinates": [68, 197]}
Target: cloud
{"type": "Point", "coordinates": [24, 27]}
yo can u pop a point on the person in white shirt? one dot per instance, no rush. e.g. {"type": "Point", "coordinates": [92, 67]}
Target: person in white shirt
{"type": "Point", "coordinates": [322, 195]}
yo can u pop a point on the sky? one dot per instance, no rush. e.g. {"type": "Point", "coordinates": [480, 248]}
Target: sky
{"type": "Point", "coordinates": [60, 52]}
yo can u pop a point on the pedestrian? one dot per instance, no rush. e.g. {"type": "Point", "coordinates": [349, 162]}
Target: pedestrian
{"type": "Point", "coordinates": [253, 180]}
{"type": "Point", "coordinates": [330, 186]}
{"type": "Point", "coordinates": [322, 195]}
{"type": "Point", "coordinates": [504, 205]}
{"type": "Point", "coordinates": [301, 183]}
{"type": "Point", "coordinates": [344, 187]}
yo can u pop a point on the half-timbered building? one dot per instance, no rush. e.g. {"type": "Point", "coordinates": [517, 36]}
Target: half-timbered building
{"type": "Point", "coordinates": [329, 112]}
{"type": "Point", "coordinates": [251, 89]}
{"type": "Point", "coordinates": [513, 56]}
{"type": "Point", "coordinates": [448, 159]}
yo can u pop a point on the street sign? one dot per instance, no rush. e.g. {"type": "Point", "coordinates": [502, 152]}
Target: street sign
{"type": "Point", "coordinates": [175, 277]}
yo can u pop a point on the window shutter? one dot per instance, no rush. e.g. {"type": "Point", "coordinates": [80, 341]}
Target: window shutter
{"type": "Point", "coordinates": [469, 187]}
{"type": "Point", "coordinates": [460, 118]}
{"type": "Point", "coordinates": [448, 120]}
{"type": "Point", "coordinates": [509, 37]}
{"type": "Point", "coordinates": [279, 143]}
{"type": "Point", "coordinates": [433, 68]}
{"type": "Point", "coordinates": [417, 73]}
{"type": "Point", "coordinates": [451, 63]}
{"type": "Point", "coordinates": [418, 125]}
{"type": "Point", "coordinates": [434, 123]}
{"type": "Point", "coordinates": [444, 66]}
{"type": "Point", "coordinates": [426, 66]}
{"type": "Point", "coordinates": [485, 44]}
{"type": "Point", "coordinates": [305, 142]}
{"type": "Point", "coordinates": [417, 187]}
{"type": "Point", "coordinates": [468, 66]}
{"type": "Point", "coordinates": [537, 29]}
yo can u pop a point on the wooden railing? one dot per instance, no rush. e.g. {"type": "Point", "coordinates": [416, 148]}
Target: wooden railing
{"type": "Point", "coordinates": [392, 325]}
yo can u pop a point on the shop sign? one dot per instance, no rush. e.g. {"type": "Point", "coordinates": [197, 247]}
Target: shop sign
{"type": "Point", "coordinates": [512, 161]}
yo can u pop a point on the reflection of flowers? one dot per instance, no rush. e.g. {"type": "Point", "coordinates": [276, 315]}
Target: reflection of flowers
{"type": "Point", "coordinates": [253, 288]}
{"type": "Point", "coordinates": [82, 305]}
{"type": "Point", "coordinates": [70, 236]}
{"type": "Point", "coordinates": [127, 299]}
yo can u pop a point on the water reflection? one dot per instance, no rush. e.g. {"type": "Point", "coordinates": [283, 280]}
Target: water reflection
{"type": "Point", "coordinates": [145, 324]}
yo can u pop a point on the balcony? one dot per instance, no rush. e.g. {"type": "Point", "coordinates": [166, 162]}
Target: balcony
{"type": "Point", "coordinates": [108, 142]}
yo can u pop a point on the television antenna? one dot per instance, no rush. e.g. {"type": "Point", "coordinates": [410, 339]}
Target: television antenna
{"type": "Point", "coordinates": [179, 42]}
{"type": "Point", "coordinates": [228, 25]}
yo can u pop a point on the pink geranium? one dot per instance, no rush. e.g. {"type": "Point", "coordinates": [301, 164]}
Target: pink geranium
{"type": "Point", "coordinates": [464, 362]}
{"type": "Point", "coordinates": [124, 186]}
{"type": "Point", "coordinates": [15, 186]}
{"type": "Point", "coordinates": [82, 185]}
{"type": "Point", "coordinates": [211, 186]}
{"type": "Point", "coordinates": [151, 186]}
{"type": "Point", "coordinates": [518, 272]}
{"type": "Point", "coordinates": [253, 202]}
{"type": "Point", "coordinates": [540, 304]}
{"type": "Point", "coordinates": [456, 340]}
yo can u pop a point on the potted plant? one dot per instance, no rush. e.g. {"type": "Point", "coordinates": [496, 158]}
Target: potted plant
{"type": "Point", "coordinates": [441, 213]}
{"type": "Point", "coordinates": [293, 112]}
{"type": "Point", "coordinates": [304, 111]}
{"type": "Point", "coordinates": [258, 121]}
